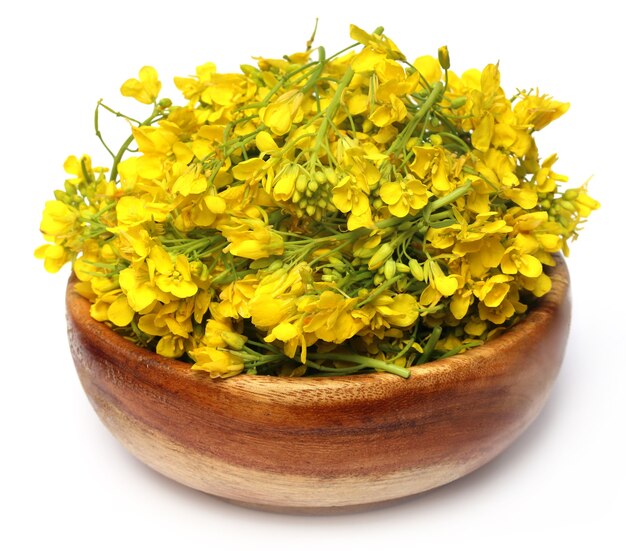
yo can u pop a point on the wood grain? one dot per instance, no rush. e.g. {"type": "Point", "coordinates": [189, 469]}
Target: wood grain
{"type": "Point", "coordinates": [322, 444]}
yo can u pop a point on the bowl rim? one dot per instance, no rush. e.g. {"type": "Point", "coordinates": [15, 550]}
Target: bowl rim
{"type": "Point", "coordinates": [453, 368]}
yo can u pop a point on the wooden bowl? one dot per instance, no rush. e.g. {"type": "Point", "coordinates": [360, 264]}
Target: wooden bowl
{"type": "Point", "coordinates": [320, 444]}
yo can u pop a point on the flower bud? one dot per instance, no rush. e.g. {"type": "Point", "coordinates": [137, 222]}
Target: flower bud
{"type": "Point", "coordinates": [62, 196]}
{"type": "Point", "coordinates": [444, 57]}
{"type": "Point", "coordinates": [570, 194]}
{"type": "Point", "coordinates": [234, 341]}
{"type": "Point", "coordinates": [320, 177]}
{"type": "Point", "coordinates": [402, 268]}
{"type": "Point", "coordinates": [276, 265]}
{"type": "Point", "coordinates": [402, 285]}
{"type": "Point", "coordinates": [380, 256]}
{"type": "Point", "coordinates": [416, 269]}
{"type": "Point", "coordinates": [249, 70]}
{"type": "Point", "coordinates": [301, 183]}
{"type": "Point", "coordinates": [567, 205]}
{"type": "Point", "coordinates": [331, 176]}
{"type": "Point", "coordinates": [389, 269]}
{"type": "Point", "coordinates": [458, 102]}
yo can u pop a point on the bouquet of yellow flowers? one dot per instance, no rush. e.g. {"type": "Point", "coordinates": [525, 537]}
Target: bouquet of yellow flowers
{"type": "Point", "coordinates": [349, 213]}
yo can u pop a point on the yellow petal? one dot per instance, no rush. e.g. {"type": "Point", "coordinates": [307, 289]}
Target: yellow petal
{"type": "Point", "coordinates": [529, 266]}
{"type": "Point", "coordinates": [390, 192]}
{"type": "Point", "coordinates": [285, 331]}
{"type": "Point", "coordinates": [265, 142]}
{"type": "Point", "coordinates": [367, 59]}
{"type": "Point", "coordinates": [447, 285]}
{"type": "Point", "coordinates": [120, 312]}
{"type": "Point", "coordinates": [428, 67]}
{"type": "Point", "coordinates": [150, 166]}
{"type": "Point", "coordinates": [248, 169]}
{"type": "Point", "coordinates": [215, 204]}
{"type": "Point", "coordinates": [481, 138]}
{"type": "Point", "coordinates": [278, 117]}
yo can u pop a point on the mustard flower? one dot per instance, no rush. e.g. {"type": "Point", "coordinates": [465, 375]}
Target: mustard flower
{"type": "Point", "coordinates": [290, 217]}
{"type": "Point", "coordinates": [146, 88]}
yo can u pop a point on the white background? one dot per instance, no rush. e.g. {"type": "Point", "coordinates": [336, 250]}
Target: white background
{"type": "Point", "coordinates": [65, 480]}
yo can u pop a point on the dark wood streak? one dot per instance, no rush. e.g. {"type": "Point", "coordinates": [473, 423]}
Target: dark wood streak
{"type": "Point", "coordinates": [268, 441]}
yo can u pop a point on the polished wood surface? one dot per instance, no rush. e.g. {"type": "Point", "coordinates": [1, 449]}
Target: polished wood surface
{"type": "Point", "coordinates": [321, 444]}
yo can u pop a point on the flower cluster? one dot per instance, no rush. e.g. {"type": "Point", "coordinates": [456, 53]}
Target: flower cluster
{"type": "Point", "coordinates": [354, 212]}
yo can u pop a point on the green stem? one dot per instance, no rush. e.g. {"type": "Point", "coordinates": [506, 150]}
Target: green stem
{"type": "Point", "coordinates": [117, 113]}
{"type": "Point", "coordinates": [451, 197]}
{"type": "Point", "coordinates": [97, 128]}
{"type": "Point", "coordinates": [455, 139]}
{"type": "Point", "coordinates": [317, 72]}
{"type": "Point", "coordinates": [364, 361]}
{"type": "Point", "coordinates": [116, 160]}
{"type": "Point", "coordinates": [380, 289]}
{"type": "Point", "coordinates": [430, 345]}
{"type": "Point", "coordinates": [402, 139]}
{"type": "Point", "coordinates": [332, 109]}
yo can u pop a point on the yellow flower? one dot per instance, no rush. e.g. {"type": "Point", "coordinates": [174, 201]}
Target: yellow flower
{"type": "Point", "coordinates": [251, 238]}
{"type": "Point", "coordinates": [280, 114]}
{"type": "Point", "coordinates": [248, 169]}
{"type": "Point", "coordinates": [292, 336]}
{"type": "Point", "coordinates": [235, 296]}
{"type": "Point", "coordinates": [120, 312]}
{"type": "Point", "coordinates": [218, 363]}
{"type": "Point", "coordinates": [400, 310]}
{"type": "Point", "coordinates": [173, 318]}
{"type": "Point", "coordinates": [351, 196]}
{"type": "Point", "coordinates": [146, 89]}
{"type": "Point", "coordinates": [444, 284]}
{"type": "Point", "coordinates": [547, 180]}
{"type": "Point", "coordinates": [173, 277]}
{"type": "Point", "coordinates": [171, 346]}
{"type": "Point", "coordinates": [494, 290]}
{"type": "Point", "coordinates": [366, 60]}
{"type": "Point", "coordinates": [537, 111]}
{"type": "Point", "coordinates": [330, 317]}
{"type": "Point", "coordinates": [190, 183]}
{"type": "Point", "coordinates": [506, 308]}
{"type": "Point", "coordinates": [432, 164]}
{"type": "Point", "coordinates": [267, 311]}
{"type": "Point", "coordinates": [374, 42]}
{"type": "Point", "coordinates": [428, 68]}
{"type": "Point", "coordinates": [206, 212]}
{"type": "Point", "coordinates": [515, 261]}
{"type": "Point", "coordinates": [54, 257]}
{"type": "Point", "coordinates": [519, 257]}
{"type": "Point", "coordinates": [389, 112]}
{"type": "Point", "coordinates": [59, 219]}
{"type": "Point", "coordinates": [137, 284]}
{"type": "Point", "coordinates": [131, 211]}
{"type": "Point", "coordinates": [461, 301]}
{"type": "Point", "coordinates": [404, 196]}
